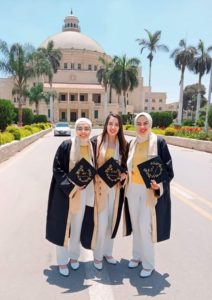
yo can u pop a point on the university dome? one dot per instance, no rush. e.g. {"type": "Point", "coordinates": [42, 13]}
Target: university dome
{"type": "Point", "coordinates": [72, 38]}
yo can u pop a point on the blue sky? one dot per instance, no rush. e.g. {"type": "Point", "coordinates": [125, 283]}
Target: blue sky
{"type": "Point", "coordinates": [115, 25]}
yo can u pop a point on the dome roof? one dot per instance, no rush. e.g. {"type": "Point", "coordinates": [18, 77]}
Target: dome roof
{"type": "Point", "coordinates": [75, 40]}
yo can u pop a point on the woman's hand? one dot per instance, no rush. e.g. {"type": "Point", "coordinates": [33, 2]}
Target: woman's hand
{"type": "Point", "coordinates": [123, 176]}
{"type": "Point", "coordinates": [154, 185]}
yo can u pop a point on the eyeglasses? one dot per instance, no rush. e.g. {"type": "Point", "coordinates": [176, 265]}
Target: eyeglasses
{"type": "Point", "coordinates": [83, 128]}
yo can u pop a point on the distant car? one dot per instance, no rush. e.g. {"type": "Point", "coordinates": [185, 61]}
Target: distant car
{"type": "Point", "coordinates": [62, 128]}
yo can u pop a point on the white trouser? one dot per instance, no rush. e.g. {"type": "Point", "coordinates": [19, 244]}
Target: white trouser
{"type": "Point", "coordinates": [104, 243]}
{"type": "Point", "coordinates": [64, 254]}
{"type": "Point", "coordinates": [140, 214]}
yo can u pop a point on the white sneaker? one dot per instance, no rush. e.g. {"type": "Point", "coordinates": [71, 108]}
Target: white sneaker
{"type": "Point", "coordinates": [133, 264]}
{"type": "Point", "coordinates": [74, 265]}
{"type": "Point", "coordinates": [146, 273]}
{"type": "Point", "coordinates": [111, 260]}
{"type": "Point", "coordinates": [98, 265]}
{"type": "Point", "coordinates": [64, 271]}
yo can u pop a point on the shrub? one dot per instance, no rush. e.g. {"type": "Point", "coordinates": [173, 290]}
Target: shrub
{"type": "Point", "coordinates": [40, 118]}
{"type": "Point", "coordinates": [15, 131]}
{"type": "Point", "coordinates": [170, 131]}
{"type": "Point", "coordinates": [6, 137]}
{"type": "Point", "coordinates": [161, 119]}
{"type": "Point", "coordinates": [6, 113]}
{"type": "Point", "coordinates": [188, 122]}
{"type": "Point", "coordinates": [27, 116]}
{"type": "Point", "coordinates": [200, 123]}
{"type": "Point", "coordinates": [210, 117]}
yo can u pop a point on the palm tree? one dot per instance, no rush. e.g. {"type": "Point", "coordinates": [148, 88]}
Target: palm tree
{"type": "Point", "coordinates": [48, 63]}
{"type": "Point", "coordinates": [104, 78]}
{"type": "Point", "coordinates": [17, 62]}
{"type": "Point", "coordinates": [183, 57]}
{"type": "Point", "coordinates": [124, 77]}
{"type": "Point", "coordinates": [201, 65]}
{"type": "Point", "coordinates": [36, 94]}
{"type": "Point", "coordinates": [152, 45]}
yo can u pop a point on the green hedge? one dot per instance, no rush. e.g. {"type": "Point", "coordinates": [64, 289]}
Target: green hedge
{"type": "Point", "coordinates": [7, 113]}
{"type": "Point", "coordinates": [6, 137]}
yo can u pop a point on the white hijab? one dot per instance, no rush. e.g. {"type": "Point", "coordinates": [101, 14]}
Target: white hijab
{"type": "Point", "coordinates": [145, 137]}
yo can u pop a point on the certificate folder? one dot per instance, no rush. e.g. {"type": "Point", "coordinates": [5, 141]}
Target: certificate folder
{"type": "Point", "coordinates": [153, 169]}
{"type": "Point", "coordinates": [110, 172]}
{"type": "Point", "coordinates": [82, 173]}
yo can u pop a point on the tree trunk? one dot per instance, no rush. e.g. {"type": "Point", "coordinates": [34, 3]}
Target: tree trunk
{"type": "Point", "coordinates": [125, 104]}
{"type": "Point", "coordinates": [20, 119]}
{"type": "Point", "coordinates": [149, 96]}
{"type": "Point", "coordinates": [51, 104]}
{"type": "Point", "coordinates": [209, 101]}
{"type": "Point", "coordinates": [180, 108]}
{"type": "Point", "coordinates": [105, 103]}
{"type": "Point", "coordinates": [198, 100]}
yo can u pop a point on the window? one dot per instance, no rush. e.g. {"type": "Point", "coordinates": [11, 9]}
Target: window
{"type": "Point", "coordinates": [95, 68]}
{"type": "Point", "coordinates": [48, 113]}
{"type": "Point", "coordinates": [63, 116]}
{"type": "Point", "coordinates": [160, 108]}
{"type": "Point", "coordinates": [146, 100]}
{"type": "Point", "coordinates": [14, 99]}
{"type": "Point", "coordinates": [95, 114]}
{"type": "Point", "coordinates": [83, 114]}
{"type": "Point", "coordinates": [72, 66]}
{"type": "Point", "coordinates": [153, 100]}
{"type": "Point", "coordinates": [79, 66]}
{"type": "Point", "coordinates": [153, 108]}
{"type": "Point", "coordinates": [89, 67]}
{"type": "Point", "coordinates": [63, 97]}
{"type": "Point", "coordinates": [65, 66]}
{"type": "Point", "coordinates": [160, 100]}
{"type": "Point", "coordinates": [145, 108]}
{"type": "Point", "coordinates": [82, 97]}
{"type": "Point", "coordinates": [72, 98]}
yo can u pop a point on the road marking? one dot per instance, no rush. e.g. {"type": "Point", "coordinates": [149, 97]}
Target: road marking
{"type": "Point", "coordinates": [188, 196]}
{"type": "Point", "coordinates": [98, 281]}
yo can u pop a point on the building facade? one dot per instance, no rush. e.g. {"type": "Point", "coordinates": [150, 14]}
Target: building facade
{"type": "Point", "coordinates": [78, 93]}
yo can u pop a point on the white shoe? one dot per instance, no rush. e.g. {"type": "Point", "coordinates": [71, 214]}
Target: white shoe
{"type": "Point", "coordinates": [111, 260]}
{"type": "Point", "coordinates": [74, 265]}
{"type": "Point", "coordinates": [146, 273]}
{"type": "Point", "coordinates": [98, 265]}
{"type": "Point", "coordinates": [64, 271]}
{"type": "Point", "coordinates": [133, 264]}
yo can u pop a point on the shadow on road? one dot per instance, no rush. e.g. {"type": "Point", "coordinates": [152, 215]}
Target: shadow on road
{"type": "Point", "coordinates": [110, 275]}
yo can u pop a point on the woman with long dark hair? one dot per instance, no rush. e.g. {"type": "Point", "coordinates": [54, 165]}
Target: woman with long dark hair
{"type": "Point", "coordinates": [108, 201]}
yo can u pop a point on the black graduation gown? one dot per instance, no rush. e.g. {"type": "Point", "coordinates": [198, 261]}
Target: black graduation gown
{"type": "Point", "coordinates": [58, 202]}
{"type": "Point", "coordinates": [163, 206]}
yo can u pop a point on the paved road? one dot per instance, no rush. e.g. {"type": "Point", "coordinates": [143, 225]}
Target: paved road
{"type": "Point", "coordinates": [27, 260]}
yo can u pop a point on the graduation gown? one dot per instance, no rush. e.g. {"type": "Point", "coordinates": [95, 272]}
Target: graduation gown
{"type": "Point", "coordinates": [162, 215]}
{"type": "Point", "coordinates": [58, 202]}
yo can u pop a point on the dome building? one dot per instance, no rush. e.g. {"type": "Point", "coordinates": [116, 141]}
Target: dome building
{"type": "Point", "coordinates": [78, 93]}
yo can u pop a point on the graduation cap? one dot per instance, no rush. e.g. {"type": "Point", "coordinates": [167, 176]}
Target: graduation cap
{"type": "Point", "coordinates": [110, 172]}
{"type": "Point", "coordinates": [82, 173]}
{"type": "Point", "coordinates": [153, 169]}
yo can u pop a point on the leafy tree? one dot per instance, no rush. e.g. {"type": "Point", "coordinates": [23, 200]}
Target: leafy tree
{"type": "Point", "coordinates": [190, 96]}
{"type": "Point", "coordinates": [28, 116]}
{"type": "Point", "coordinates": [48, 62]}
{"type": "Point", "coordinates": [104, 78]}
{"type": "Point", "coordinates": [17, 61]}
{"type": "Point", "coordinates": [201, 65]}
{"type": "Point", "coordinates": [152, 45]}
{"type": "Point", "coordinates": [6, 113]}
{"type": "Point", "coordinates": [124, 77]}
{"type": "Point", "coordinates": [183, 57]}
{"type": "Point", "coordinates": [36, 94]}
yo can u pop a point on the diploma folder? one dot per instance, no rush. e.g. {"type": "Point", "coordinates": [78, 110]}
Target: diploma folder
{"type": "Point", "coordinates": [153, 169]}
{"type": "Point", "coordinates": [110, 172]}
{"type": "Point", "coordinates": [82, 173]}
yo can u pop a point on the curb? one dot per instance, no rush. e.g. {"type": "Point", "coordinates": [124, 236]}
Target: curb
{"type": "Point", "coordinates": [199, 145]}
{"type": "Point", "coordinates": [10, 149]}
